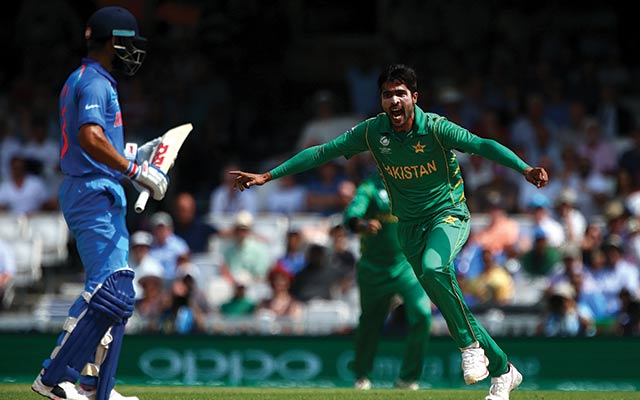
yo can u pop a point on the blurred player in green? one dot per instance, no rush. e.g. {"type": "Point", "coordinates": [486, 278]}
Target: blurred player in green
{"type": "Point", "coordinates": [384, 272]}
{"type": "Point", "coordinates": [413, 151]}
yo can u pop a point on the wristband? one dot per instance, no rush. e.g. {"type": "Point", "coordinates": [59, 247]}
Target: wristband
{"type": "Point", "coordinates": [132, 170]}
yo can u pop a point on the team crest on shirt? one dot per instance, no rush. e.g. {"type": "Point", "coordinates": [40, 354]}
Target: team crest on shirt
{"type": "Point", "coordinates": [419, 147]}
{"type": "Point", "coordinates": [384, 141]}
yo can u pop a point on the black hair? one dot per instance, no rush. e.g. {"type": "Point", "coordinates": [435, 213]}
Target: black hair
{"type": "Point", "coordinates": [399, 73]}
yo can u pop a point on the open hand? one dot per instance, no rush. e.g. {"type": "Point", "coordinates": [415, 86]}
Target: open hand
{"type": "Point", "coordinates": [244, 180]}
{"type": "Point", "coordinates": [537, 176]}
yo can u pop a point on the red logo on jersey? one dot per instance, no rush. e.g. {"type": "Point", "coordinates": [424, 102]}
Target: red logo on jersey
{"type": "Point", "coordinates": [118, 121]}
{"type": "Point", "coordinates": [158, 158]}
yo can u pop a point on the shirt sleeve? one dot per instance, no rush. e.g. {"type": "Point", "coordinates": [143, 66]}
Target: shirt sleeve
{"type": "Point", "coordinates": [92, 103]}
{"type": "Point", "coordinates": [348, 144]}
{"type": "Point", "coordinates": [359, 204]}
{"type": "Point", "coordinates": [454, 137]}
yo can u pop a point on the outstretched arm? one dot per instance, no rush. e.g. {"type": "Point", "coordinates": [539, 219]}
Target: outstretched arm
{"type": "Point", "coordinates": [244, 180]}
{"type": "Point", "coordinates": [501, 154]}
{"type": "Point", "coordinates": [304, 160]}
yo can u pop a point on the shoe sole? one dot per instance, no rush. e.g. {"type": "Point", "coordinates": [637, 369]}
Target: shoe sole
{"type": "Point", "coordinates": [474, 380]}
{"type": "Point", "coordinates": [45, 394]}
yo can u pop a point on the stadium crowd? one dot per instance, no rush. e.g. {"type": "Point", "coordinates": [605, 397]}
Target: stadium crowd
{"type": "Point", "coordinates": [565, 96]}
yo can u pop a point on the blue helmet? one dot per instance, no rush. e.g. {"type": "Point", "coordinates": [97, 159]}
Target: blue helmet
{"type": "Point", "coordinates": [120, 24]}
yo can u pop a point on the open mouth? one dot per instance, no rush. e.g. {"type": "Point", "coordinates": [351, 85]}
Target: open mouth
{"type": "Point", "coordinates": [396, 113]}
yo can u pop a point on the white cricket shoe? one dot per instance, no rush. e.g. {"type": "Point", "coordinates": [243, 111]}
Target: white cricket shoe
{"type": "Point", "coordinates": [114, 395]}
{"type": "Point", "coordinates": [61, 391]}
{"type": "Point", "coordinates": [362, 384]}
{"type": "Point", "coordinates": [504, 384]}
{"type": "Point", "coordinates": [474, 364]}
{"type": "Point", "coordinates": [409, 385]}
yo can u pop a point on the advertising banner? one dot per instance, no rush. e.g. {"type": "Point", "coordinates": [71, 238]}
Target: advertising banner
{"type": "Point", "coordinates": [564, 364]}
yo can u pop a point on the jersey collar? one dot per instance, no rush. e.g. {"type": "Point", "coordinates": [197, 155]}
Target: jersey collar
{"type": "Point", "coordinates": [99, 68]}
{"type": "Point", "coordinates": [419, 122]}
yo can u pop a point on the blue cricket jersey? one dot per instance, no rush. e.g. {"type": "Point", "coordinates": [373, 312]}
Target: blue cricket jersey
{"type": "Point", "coordinates": [89, 96]}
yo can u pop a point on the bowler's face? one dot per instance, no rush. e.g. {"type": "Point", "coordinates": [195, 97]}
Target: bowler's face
{"type": "Point", "coordinates": [397, 103]}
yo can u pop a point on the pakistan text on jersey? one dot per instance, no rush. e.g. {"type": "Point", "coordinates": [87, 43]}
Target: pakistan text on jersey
{"type": "Point", "coordinates": [411, 171]}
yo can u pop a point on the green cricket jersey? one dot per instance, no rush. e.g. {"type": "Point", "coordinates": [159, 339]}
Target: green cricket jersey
{"type": "Point", "coordinates": [420, 170]}
{"type": "Point", "coordinates": [371, 201]}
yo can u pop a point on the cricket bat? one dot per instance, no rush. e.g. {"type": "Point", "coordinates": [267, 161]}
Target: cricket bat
{"type": "Point", "coordinates": [164, 156]}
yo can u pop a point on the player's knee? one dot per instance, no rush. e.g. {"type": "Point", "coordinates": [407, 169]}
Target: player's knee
{"type": "Point", "coordinates": [116, 297]}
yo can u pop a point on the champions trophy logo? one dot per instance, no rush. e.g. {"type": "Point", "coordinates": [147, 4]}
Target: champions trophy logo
{"type": "Point", "coordinates": [384, 141]}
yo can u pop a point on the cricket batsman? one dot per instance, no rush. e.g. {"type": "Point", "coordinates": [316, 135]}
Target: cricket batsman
{"type": "Point", "coordinates": [382, 273]}
{"type": "Point", "coordinates": [93, 202]}
{"type": "Point", "coordinates": [413, 151]}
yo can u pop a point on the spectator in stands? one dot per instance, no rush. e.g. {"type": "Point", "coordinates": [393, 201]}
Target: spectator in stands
{"type": "Point", "coordinates": [188, 307]}
{"type": "Point", "coordinates": [535, 133]}
{"type": "Point", "coordinates": [632, 242]}
{"type": "Point", "coordinates": [571, 219]}
{"type": "Point", "coordinates": [501, 231]}
{"type": "Point", "coordinates": [140, 261]}
{"type": "Point", "coordinates": [596, 189]}
{"type": "Point", "coordinates": [563, 316]}
{"type": "Point", "coordinates": [630, 158]}
{"type": "Point", "coordinates": [361, 78]}
{"type": "Point", "coordinates": [189, 225]}
{"type": "Point", "coordinates": [628, 319]}
{"type": "Point", "coordinates": [293, 258]}
{"type": "Point", "coordinates": [326, 124]}
{"type": "Point", "coordinates": [150, 309]}
{"type": "Point", "coordinates": [239, 305]}
{"type": "Point", "coordinates": [477, 172]}
{"type": "Point", "coordinates": [589, 295]}
{"type": "Point", "coordinates": [41, 150]}
{"type": "Point", "coordinates": [167, 247]}
{"type": "Point", "coordinates": [527, 196]}
{"type": "Point", "coordinates": [23, 193]}
{"type": "Point", "coordinates": [626, 192]}
{"type": "Point", "coordinates": [540, 209]}
{"type": "Point", "coordinates": [225, 200]}
{"type": "Point", "coordinates": [328, 191]}
{"type": "Point", "coordinates": [571, 264]}
{"type": "Point", "coordinates": [318, 278]}
{"type": "Point", "coordinates": [245, 254]}
{"type": "Point", "coordinates": [7, 274]}
{"type": "Point", "coordinates": [494, 286]}
{"type": "Point", "coordinates": [592, 242]}
{"type": "Point", "coordinates": [615, 274]}
{"type": "Point", "coordinates": [184, 266]}
{"type": "Point", "coordinates": [288, 197]}
{"type": "Point", "coordinates": [503, 183]}
{"type": "Point", "coordinates": [616, 217]}
{"type": "Point", "coordinates": [573, 272]}
{"type": "Point", "coordinates": [614, 117]}
{"type": "Point", "coordinates": [597, 149]}
{"type": "Point", "coordinates": [344, 260]}
{"type": "Point", "coordinates": [541, 260]}
{"type": "Point", "coordinates": [281, 304]}
{"type": "Point", "coordinates": [573, 132]}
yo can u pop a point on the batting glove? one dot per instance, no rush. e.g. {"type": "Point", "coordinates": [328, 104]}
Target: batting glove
{"type": "Point", "coordinates": [145, 151]}
{"type": "Point", "coordinates": [150, 177]}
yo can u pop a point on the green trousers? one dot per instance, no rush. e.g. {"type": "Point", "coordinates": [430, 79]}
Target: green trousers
{"type": "Point", "coordinates": [430, 247]}
{"type": "Point", "coordinates": [375, 299]}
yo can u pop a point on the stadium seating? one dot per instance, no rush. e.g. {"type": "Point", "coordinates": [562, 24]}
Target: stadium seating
{"type": "Point", "coordinates": [52, 230]}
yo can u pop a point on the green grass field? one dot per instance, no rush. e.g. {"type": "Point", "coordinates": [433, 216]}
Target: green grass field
{"type": "Point", "coordinates": [23, 392]}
